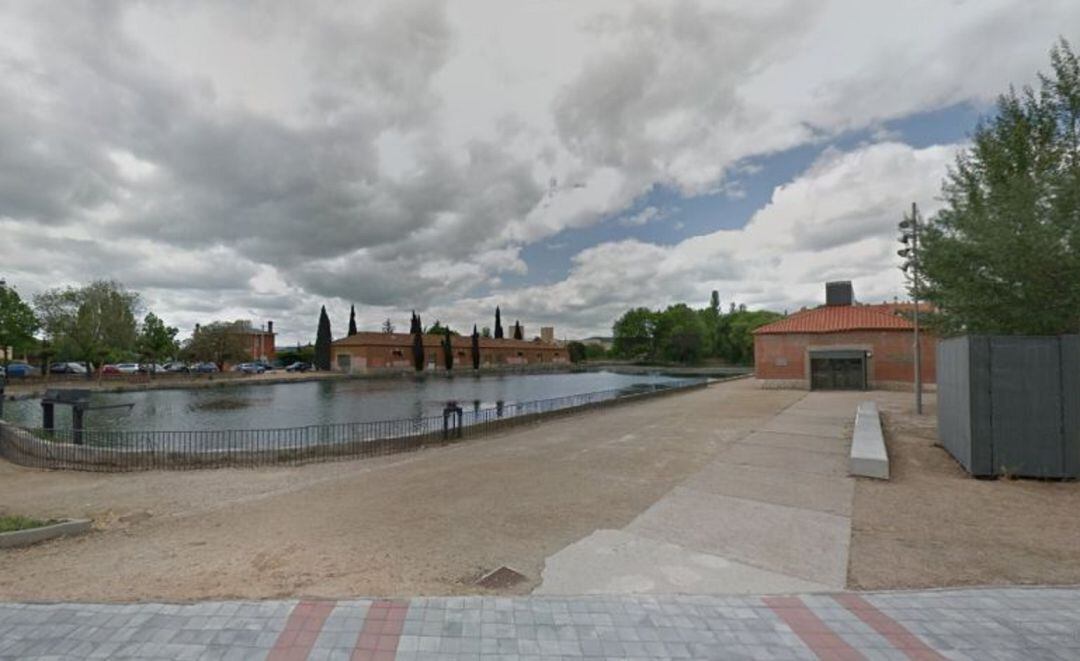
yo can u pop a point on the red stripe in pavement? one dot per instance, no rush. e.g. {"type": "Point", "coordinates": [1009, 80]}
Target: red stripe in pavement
{"type": "Point", "coordinates": [305, 622]}
{"type": "Point", "coordinates": [378, 639]}
{"type": "Point", "coordinates": [894, 632]}
{"type": "Point", "coordinates": [817, 635]}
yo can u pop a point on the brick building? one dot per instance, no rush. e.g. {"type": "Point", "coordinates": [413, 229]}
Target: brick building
{"type": "Point", "coordinates": [258, 342]}
{"type": "Point", "coordinates": [394, 350]}
{"type": "Point", "coordinates": [842, 345]}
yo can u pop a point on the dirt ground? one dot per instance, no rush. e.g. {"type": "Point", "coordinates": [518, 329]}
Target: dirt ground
{"type": "Point", "coordinates": [933, 526]}
{"type": "Point", "coordinates": [429, 522]}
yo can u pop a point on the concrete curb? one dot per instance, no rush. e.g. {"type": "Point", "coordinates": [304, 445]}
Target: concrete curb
{"type": "Point", "coordinates": [868, 455]}
{"type": "Point", "coordinates": [30, 536]}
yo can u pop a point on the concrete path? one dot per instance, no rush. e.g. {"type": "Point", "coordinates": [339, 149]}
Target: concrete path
{"type": "Point", "coordinates": [1022, 624]}
{"type": "Point", "coordinates": [771, 513]}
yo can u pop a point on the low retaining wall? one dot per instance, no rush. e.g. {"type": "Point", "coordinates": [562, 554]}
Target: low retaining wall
{"type": "Point", "coordinates": [16, 538]}
{"type": "Point", "coordinates": [868, 456]}
{"type": "Point", "coordinates": [22, 447]}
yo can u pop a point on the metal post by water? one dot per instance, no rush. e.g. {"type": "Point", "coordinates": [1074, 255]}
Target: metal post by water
{"type": "Point", "coordinates": [915, 296]}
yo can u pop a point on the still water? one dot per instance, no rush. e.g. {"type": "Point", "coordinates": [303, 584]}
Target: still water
{"type": "Point", "coordinates": [324, 402]}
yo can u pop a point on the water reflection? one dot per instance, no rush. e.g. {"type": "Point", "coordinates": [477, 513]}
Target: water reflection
{"type": "Point", "coordinates": [326, 402]}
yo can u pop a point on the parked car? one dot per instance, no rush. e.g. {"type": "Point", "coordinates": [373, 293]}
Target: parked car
{"type": "Point", "coordinates": [267, 367]}
{"type": "Point", "coordinates": [205, 368]}
{"type": "Point", "coordinates": [151, 368]}
{"type": "Point", "coordinates": [67, 368]}
{"type": "Point", "coordinates": [177, 366]}
{"type": "Point", "coordinates": [16, 370]}
{"type": "Point", "coordinates": [298, 367]}
{"type": "Point", "coordinates": [110, 369]}
{"type": "Point", "coordinates": [249, 368]}
{"type": "Point", "coordinates": [127, 368]}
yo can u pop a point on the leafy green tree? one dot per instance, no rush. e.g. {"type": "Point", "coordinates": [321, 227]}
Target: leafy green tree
{"type": "Point", "coordinates": [297, 354]}
{"type": "Point", "coordinates": [1003, 255]}
{"type": "Point", "coordinates": [156, 341]}
{"type": "Point", "coordinates": [219, 342]}
{"type": "Point", "coordinates": [323, 339]}
{"type": "Point", "coordinates": [17, 323]}
{"type": "Point", "coordinates": [438, 328]}
{"type": "Point", "coordinates": [679, 335]}
{"type": "Point", "coordinates": [633, 333]}
{"type": "Point", "coordinates": [576, 351]}
{"type": "Point", "coordinates": [92, 323]}
{"type": "Point", "coordinates": [485, 332]}
{"type": "Point", "coordinates": [740, 327]}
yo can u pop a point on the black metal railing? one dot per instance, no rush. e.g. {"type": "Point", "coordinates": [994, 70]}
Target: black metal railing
{"type": "Point", "coordinates": [120, 450]}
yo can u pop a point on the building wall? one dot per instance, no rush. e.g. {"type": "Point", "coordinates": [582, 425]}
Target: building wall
{"type": "Point", "coordinates": [260, 344]}
{"type": "Point", "coordinates": [395, 352]}
{"type": "Point", "coordinates": [785, 357]}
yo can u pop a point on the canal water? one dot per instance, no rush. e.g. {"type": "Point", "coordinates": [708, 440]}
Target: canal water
{"type": "Point", "coordinates": [326, 402]}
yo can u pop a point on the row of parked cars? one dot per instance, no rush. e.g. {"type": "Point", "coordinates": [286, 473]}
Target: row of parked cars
{"type": "Point", "coordinates": [18, 369]}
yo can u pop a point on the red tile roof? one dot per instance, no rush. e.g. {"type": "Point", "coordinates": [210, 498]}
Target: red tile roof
{"type": "Point", "coordinates": [832, 319]}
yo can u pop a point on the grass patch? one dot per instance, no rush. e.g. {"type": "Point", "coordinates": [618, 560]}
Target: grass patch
{"type": "Point", "coordinates": [15, 522]}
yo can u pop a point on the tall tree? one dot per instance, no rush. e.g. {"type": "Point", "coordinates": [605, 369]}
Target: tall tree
{"type": "Point", "coordinates": [17, 323]}
{"type": "Point", "coordinates": [414, 323]}
{"type": "Point", "coordinates": [388, 326]}
{"type": "Point", "coordinates": [418, 343]}
{"type": "Point", "coordinates": [323, 338]}
{"type": "Point", "coordinates": [498, 324]}
{"type": "Point", "coordinates": [633, 333]}
{"type": "Point", "coordinates": [219, 342]}
{"type": "Point", "coordinates": [448, 350]}
{"type": "Point", "coordinates": [91, 323]}
{"type": "Point", "coordinates": [519, 334]}
{"type": "Point", "coordinates": [352, 320]}
{"type": "Point", "coordinates": [475, 348]}
{"type": "Point", "coordinates": [1003, 254]}
{"type": "Point", "coordinates": [156, 340]}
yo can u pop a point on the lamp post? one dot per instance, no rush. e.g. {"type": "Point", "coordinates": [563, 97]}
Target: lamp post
{"type": "Point", "coordinates": [909, 236]}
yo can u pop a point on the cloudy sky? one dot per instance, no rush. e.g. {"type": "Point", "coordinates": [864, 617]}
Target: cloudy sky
{"type": "Point", "coordinates": [564, 159]}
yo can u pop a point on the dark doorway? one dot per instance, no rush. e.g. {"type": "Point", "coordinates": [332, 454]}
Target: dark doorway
{"type": "Point", "coordinates": [838, 370]}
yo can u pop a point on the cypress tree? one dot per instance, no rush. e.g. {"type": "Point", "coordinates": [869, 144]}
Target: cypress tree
{"type": "Point", "coordinates": [352, 320]}
{"type": "Point", "coordinates": [323, 338]}
{"type": "Point", "coordinates": [519, 334]}
{"type": "Point", "coordinates": [418, 344]}
{"type": "Point", "coordinates": [475, 348]}
{"type": "Point", "coordinates": [448, 350]}
{"type": "Point", "coordinates": [498, 324]}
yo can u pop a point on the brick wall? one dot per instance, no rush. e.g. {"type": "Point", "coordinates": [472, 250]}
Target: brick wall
{"type": "Point", "coordinates": [785, 357]}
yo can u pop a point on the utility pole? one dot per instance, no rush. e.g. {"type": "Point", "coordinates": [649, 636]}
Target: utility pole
{"type": "Point", "coordinates": [909, 236]}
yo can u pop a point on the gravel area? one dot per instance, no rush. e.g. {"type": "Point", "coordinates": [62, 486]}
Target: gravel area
{"type": "Point", "coordinates": [932, 525]}
{"type": "Point", "coordinates": [430, 522]}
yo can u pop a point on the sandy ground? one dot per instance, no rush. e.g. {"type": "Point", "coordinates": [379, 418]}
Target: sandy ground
{"type": "Point", "coordinates": [931, 525]}
{"type": "Point", "coordinates": [429, 522]}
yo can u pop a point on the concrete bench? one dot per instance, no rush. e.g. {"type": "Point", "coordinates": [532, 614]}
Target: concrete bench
{"type": "Point", "coordinates": [868, 456]}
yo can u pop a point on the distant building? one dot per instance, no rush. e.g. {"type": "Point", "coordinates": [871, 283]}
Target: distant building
{"type": "Point", "coordinates": [364, 351]}
{"type": "Point", "coordinates": [259, 342]}
{"type": "Point", "coordinates": [842, 345]}
{"type": "Point", "coordinates": [547, 334]}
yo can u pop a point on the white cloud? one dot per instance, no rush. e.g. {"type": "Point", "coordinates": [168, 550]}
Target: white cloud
{"type": "Point", "coordinates": [401, 154]}
{"type": "Point", "coordinates": [837, 220]}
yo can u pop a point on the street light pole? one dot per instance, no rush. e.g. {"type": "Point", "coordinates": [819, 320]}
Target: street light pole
{"type": "Point", "coordinates": [909, 236]}
{"type": "Point", "coordinates": [915, 296]}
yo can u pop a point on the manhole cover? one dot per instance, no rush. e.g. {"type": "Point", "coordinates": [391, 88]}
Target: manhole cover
{"type": "Point", "coordinates": [503, 577]}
